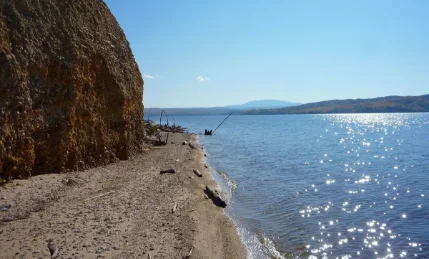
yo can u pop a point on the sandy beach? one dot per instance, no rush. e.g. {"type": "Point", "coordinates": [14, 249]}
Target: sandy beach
{"type": "Point", "coordinates": [122, 210]}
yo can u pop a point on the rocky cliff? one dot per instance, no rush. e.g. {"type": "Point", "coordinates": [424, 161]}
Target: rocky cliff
{"type": "Point", "coordinates": [70, 89]}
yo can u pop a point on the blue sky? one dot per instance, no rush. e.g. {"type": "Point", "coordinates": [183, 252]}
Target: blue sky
{"type": "Point", "coordinates": [203, 53]}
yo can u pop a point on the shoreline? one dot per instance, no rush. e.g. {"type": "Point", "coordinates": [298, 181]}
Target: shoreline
{"type": "Point", "coordinates": [257, 245]}
{"type": "Point", "coordinates": [121, 210]}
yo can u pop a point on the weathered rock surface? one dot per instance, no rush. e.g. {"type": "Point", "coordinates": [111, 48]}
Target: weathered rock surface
{"type": "Point", "coordinates": [70, 89]}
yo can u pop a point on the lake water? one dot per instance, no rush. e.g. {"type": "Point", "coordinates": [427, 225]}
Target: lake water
{"type": "Point", "coordinates": [324, 186]}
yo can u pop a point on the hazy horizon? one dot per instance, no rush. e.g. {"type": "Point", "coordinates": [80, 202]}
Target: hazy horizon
{"type": "Point", "coordinates": [207, 54]}
{"type": "Point", "coordinates": [226, 106]}
{"type": "Point", "coordinates": [288, 101]}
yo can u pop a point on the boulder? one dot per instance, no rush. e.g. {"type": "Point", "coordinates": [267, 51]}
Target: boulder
{"type": "Point", "coordinates": [70, 90]}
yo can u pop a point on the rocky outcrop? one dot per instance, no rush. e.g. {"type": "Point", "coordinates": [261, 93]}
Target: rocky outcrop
{"type": "Point", "coordinates": [70, 90]}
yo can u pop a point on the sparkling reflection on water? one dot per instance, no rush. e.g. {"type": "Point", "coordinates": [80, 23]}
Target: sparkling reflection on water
{"type": "Point", "coordinates": [378, 207]}
{"type": "Point", "coordinates": [327, 186]}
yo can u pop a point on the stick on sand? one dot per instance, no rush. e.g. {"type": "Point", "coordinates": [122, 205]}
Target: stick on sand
{"type": "Point", "coordinates": [98, 196]}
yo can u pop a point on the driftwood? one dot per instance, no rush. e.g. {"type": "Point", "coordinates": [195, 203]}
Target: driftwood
{"type": "Point", "coordinates": [191, 145]}
{"type": "Point", "coordinates": [160, 118]}
{"type": "Point", "coordinates": [215, 197]}
{"type": "Point", "coordinates": [148, 256]}
{"type": "Point", "coordinates": [173, 128]}
{"type": "Point", "coordinates": [174, 208]}
{"type": "Point", "coordinates": [198, 173]}
{"type": "Point", "coordinates": [167, 128]}
{"type": "Point", "coordinates": [189, 254]}
{"type": "Point", "coordinates": [159, 141]}
{"type": "Point", "coordinates": [98, 196]}
{"type": "Point", "coordinates": [168, 171]}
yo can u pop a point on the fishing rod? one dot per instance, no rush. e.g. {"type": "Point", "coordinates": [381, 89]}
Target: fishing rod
{"type": "Point", "coordinates": [222, 122]}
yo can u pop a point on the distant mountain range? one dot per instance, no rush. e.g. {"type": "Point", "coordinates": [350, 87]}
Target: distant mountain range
{"type": "Point", "coordinates": [262, 104]}
{"type": "Point", "coordinates": [237, 109]}
{"type": "Point", "coordinates": [386, 104]}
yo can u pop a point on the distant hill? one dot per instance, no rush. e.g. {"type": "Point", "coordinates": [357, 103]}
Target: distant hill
{"type": "Point", "coordinates": [154, 113]}
{"type": "Point", "coordinates": [376, 105]}
{"type": "Point", "coordinates": [259, 104]}
{"type": "Point", "coordinates": [262, 104]}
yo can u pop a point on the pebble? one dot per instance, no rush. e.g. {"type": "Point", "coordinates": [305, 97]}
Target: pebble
{"type": "Point", "coordinates": [7, 219]}
{"type": "Point", "coordinates": [5, 207]}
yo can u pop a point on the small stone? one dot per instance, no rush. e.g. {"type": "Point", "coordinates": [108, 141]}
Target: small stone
{"type": "Point", "coordinates": [7, 219]}
{"type": "Point", "coordinates": [103, 231]}
{"type": "Point", "coordinates": [70, 182]}
{"type": "Point", "coordinates": [5, 207]}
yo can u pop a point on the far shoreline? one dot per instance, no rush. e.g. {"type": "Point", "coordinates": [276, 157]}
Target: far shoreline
{"type": "Point", "coordinates": [387, 104]}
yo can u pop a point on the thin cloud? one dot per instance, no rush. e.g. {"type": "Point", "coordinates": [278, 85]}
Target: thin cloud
{"type": "Point", "coordinates": [148, 76]}
{"type": "Point", "coordinates": [202, 78]}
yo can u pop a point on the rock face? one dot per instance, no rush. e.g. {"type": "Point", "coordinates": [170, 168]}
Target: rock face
{"type": "Point", "coordinates": [70, 90]}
